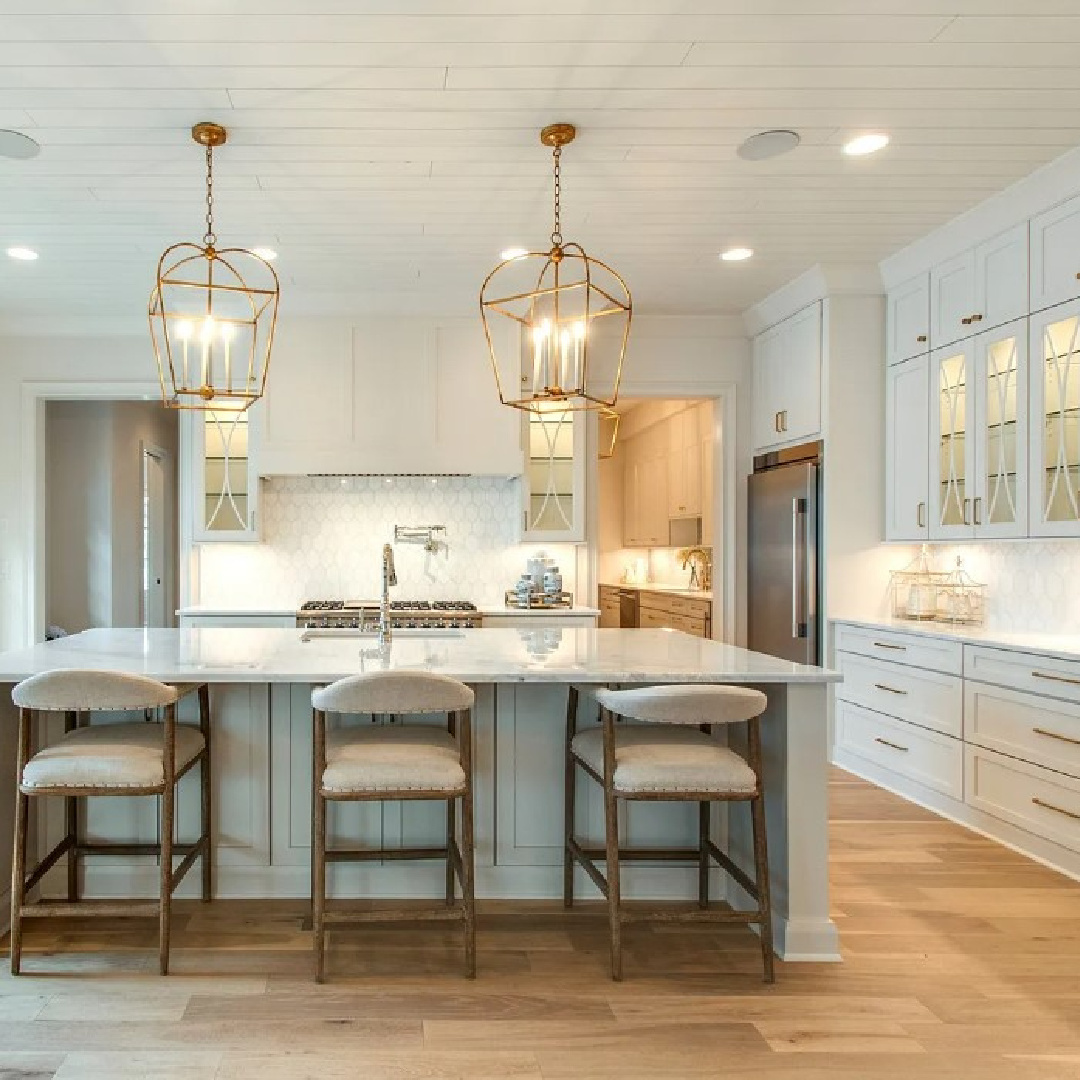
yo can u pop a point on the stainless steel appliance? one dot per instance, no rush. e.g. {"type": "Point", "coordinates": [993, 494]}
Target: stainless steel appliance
{"type": "Point", "coordinates": [784, 607]}
{"type": "Point", "coordinates": [409, 614]}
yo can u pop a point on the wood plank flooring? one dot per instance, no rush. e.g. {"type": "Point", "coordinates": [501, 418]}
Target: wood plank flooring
{"type": "Point", "coordinates": [961, 960]}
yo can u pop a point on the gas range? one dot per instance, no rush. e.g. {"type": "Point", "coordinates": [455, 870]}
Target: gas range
{"type": "Point", "coordinates": [409, 614]}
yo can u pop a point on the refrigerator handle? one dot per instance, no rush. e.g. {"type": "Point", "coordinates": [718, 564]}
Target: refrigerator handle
{"type": "Point", "coordinates": [795, 568]}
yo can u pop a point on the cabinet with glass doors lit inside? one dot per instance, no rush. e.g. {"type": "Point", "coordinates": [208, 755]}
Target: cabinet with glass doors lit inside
{"type": "Point", "coordinates": [224, 482]}
{"type": "Point", "coordinates": [554, 480]}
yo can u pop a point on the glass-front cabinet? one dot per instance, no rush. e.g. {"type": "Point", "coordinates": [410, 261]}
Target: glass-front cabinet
{"type": "Point", "coordinates": [1055, 413]}
{"type": "Point", "coordinates": [224, 481]}
{"type": "Point", "coordinates": [999, 504]}
{"type": "Point", "coordinates": [554, 481]}
{"type": "Point", "coordinates": [951, 459]}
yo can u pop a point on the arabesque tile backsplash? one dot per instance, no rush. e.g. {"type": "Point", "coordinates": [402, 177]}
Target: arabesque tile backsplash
{"type": "Point", "coordinates": [1032, 585]}
{"type": "Point", "coordinates": [322, 537]}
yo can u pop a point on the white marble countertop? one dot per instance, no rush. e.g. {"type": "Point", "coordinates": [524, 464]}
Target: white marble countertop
{"type": "Point", "coordinates": [558, 655]}
{"type": "Point", "coordinates": [1065, 646]}
{"type": "Point", "coordinates": [282, 611]}
{"type": "Point", "coordinates": [671, 590]}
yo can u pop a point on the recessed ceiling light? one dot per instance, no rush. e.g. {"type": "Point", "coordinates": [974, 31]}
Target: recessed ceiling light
{"type": "Point", "coordinates": [768, 144]}
{"type": "Point", "coordinates": [14, 144]}
{"type": "Point", "coordinates": [513, 253]}
{"type": "Point", "coordinates": [24, 254]}
{"type": "Point", "coordinates": [269, 254]}
{"type": "Point", "coordinates": [866, 144]}
{"type": "Point", "coordinates": [736, 254]}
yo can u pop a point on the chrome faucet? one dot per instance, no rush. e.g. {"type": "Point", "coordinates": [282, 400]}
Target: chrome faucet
{"type": "Point", "coordinates": [389, 577]}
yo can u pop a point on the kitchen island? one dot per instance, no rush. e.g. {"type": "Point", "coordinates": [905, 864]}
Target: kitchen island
{"type": "Point", "coordinates": [260, 696]}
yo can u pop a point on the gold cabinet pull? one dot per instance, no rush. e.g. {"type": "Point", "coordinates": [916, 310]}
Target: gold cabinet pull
{"type": "Point", "coordinates": [890, 689]}
{"type": "Point", "coordinates": [776, 422]}
{"type": "Point", "coordinates": [892, 745]}
{"type": "Point", "coordinates": [967, 509]}
{"type": "Point", "coordinates": [978, 509]}
{"type": "Point", "coordinates": [1055, 735]}
{"type": "Point", "coordinates": [886, 645]}
{"type": "Point", "coordinates": [1054, 678]}
{"type": "Point", "coordinates": [966, 321]}
{"type": "Point", "coordinates": [976, 318]}
{"type": "Point", "coordinates": [922, 337]}
{"type": "Point", "coordinates": [1051, 806]}
{"type": "Point", "coordinates": [920, 515]}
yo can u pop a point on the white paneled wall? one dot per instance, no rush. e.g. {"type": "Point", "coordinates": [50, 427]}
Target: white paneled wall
{"type": "Point", "coordinates": [322, 537]}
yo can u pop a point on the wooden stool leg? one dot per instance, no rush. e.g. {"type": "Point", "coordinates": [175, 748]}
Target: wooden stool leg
{"type": "Point", "coordinates": [451, 831]}
{"type": "Point", "coordinates": [611, 830]}
{"type": "Point", "coordinates": [703, 854]}
{"type": "Point", "coordinates": [71, 721]}
{"type": "Point", "coordinates": [761, 851]}
{"type": "Point", "coordinates": [569, 796]}
{"type": "Point", "coordinates": [22, 824]}
{"type": "Point", "coordinates": [207, 793]}
{"type": "Point", "coordinates": [468, 861]}
{"type": "Point", "coordinates": [318, 852]}
{"type": "Point", "coordinates": [168, 827]}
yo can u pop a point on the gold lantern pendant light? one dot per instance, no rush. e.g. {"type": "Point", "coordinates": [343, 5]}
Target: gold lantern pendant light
{"type": "Point", "coordinates": [212, 314]}
{"type": "Point", "coordinates": [569, 313]}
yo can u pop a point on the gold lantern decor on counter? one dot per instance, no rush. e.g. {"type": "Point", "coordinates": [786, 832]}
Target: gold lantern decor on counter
{"type": "Point", "coordinates": [212, 314]}
{"type": "Point", "coordinates": [569, 313]}
{"type": "Point", "coordinates": [922, 594]}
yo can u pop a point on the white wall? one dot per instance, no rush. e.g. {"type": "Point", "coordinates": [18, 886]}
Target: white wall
{"type": "Point", "coordinates": [94, 508]}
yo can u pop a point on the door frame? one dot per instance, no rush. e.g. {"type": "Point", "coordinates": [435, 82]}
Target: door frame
{"type": "Point", "coordinates": [33, 493]}
{"type": "Point", "coordinates": [726, 510]}
{"type": "Point", "coordinates": [162, 455]}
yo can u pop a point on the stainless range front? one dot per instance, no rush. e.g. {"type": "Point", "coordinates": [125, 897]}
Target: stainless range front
{"type": "Point", "coordinates": [404, 614]}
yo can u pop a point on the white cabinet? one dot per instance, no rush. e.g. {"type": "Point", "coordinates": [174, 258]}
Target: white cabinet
{"type": "Point", "coordinates": [952, 299]}
{"type": "Point", "coordinates": [907, 319]}
{"type": "Point", "coordinates": [951, 460]}
{"type": "Point", "coordinates": [999, 434]}
{"type": "Point", "coordinates": [1055, 421]}
{"type": "Point", "coordinates": [553, 487]}
{"type": "Point", "coordinates": [686, 451]}
{"type": "Point", "coordinates": [645, 492]}
{"type": "Point", "coordinates": [1001, 279]}
{"type": "Point", "coordinates": [1055, 255]}
{"type": "Point", "coordinates": [787, 381]}
{"type": "Point", "coordinates": [907, 440]}
{"type": "Point", "coordinates": [222, 480]}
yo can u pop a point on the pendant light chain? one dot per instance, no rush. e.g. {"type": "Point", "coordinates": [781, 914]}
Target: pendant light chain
{"type": "Point", "coordinates": [209, 239]}
{"type": "Point", "coordinates": [556, 234]}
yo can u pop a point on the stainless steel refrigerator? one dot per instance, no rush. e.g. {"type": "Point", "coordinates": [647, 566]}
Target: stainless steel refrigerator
{"type": "Point", "coordinates": [784, 517]}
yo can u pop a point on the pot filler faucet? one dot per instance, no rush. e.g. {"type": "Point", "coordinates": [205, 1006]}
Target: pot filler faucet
{"type": "Point", "coordinates": [389, 577]}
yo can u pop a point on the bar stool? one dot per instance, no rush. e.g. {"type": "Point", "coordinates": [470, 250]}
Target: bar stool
{"type": "Point", "coordinates": [140, 757]}
{"type": "Point", "coordinates": [383, 762]}
{"type": "Point", "coordinates": [669, 755]}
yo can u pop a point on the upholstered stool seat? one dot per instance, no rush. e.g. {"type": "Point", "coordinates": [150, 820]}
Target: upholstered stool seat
{"type": "Point", "coordinates": [398, 758]}
{"type": "Point", "coordinates": [667, 760]}
{"type": "Point", "coordinates": [125, 755]}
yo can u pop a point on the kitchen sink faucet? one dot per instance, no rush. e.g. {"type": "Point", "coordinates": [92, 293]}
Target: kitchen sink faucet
{"type": "Point", "coordinates": [389, 577]}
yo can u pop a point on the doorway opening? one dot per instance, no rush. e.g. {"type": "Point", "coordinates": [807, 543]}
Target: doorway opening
{"type": "Point", "coordinates": [109, 514]}
{"type": "Point", "coordinates": [660, 503]}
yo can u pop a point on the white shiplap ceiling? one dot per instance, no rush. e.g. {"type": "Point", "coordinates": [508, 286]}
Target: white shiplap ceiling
{"type": "Point", "coordinates": [388, 149]}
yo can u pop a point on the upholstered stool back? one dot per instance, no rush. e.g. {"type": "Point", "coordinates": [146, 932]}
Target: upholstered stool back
{"type": "Point", "coordinates": [706, 704]}
{"type": "Point", "coordinates": [91, 691]}
{"type": "Point", "coordinates": [401, 692]}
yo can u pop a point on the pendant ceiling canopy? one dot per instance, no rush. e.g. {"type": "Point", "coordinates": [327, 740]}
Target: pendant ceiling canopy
{"type": "Point", "coordinates": [557, 321]}
{"type": "Point", "coordinates": [212, 314]}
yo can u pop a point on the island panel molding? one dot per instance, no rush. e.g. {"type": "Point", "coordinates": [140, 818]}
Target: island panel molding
{"type": "Point", "coordinates": [260, 694]}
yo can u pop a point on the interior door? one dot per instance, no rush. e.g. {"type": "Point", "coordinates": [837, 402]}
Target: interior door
{"type": "Point", "coordinates": [155, 540]}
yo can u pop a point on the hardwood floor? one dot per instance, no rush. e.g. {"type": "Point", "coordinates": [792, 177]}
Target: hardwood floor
{"type": "Point", "coordinates": [961, 960]}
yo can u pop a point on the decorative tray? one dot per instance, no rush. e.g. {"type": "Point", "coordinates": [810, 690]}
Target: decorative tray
{"type": "Point", "coordinates": [539, 600]}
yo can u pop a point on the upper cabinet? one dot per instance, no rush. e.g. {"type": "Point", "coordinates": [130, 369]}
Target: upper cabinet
{"type": "Point", "coordinates": [786, 406]}
{"type": "Point", "coordinates": [386, 396]}
{"type": "Point", "coordinates": [980, 289]}
{"type": "Point", "coordinates": [221, 450]}
{"type": "Point", "coordinates": [907, 440]}
{"type": "Point", "coordinates": [951, 460]}
{"type": "Point", "coordinates": [553, 487]}
{"type": "Point", "coordinates": [907, 320]}
{"type": "Point", "coordinates": [1055, 255]}
{"type": "Point", "coordinates": [1055, 428]}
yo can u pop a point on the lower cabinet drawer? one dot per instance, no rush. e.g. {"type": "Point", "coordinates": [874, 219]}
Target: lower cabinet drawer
{"type": "Point", "coordinates": [1037, 729]}
{"type": "Point", "coordinates": [1029, 797]}
{"type": "Point", "coordinates": [1044, 675]}
{"type": "Point", "coordinates": [919, 650]}
{"type": "Point", "coordinates": [927, 698]}
{"type": "Point", "coordinates": [933, 760]}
